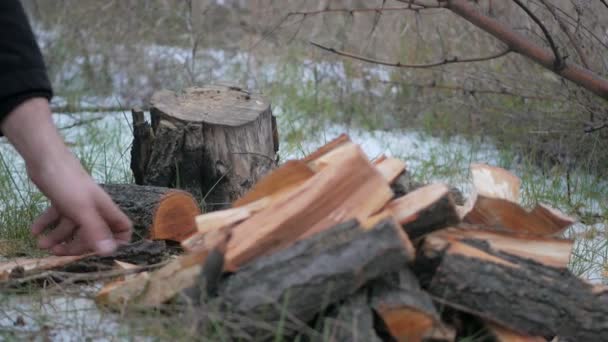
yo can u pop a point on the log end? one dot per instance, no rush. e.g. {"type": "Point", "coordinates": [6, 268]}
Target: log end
{"type": "Point", "coordinates": [175, 216]}
{"type": "Point", "coordinates": [406, 324]}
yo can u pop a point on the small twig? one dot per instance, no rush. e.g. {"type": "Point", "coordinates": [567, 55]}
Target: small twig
{"type": "Point", "coordinates": [351, 11]}
{"type": "Point", "coordinates": [471, 91]}
{"type": "Point", "coordinates": [565, 29]}
{"type": "Point", "coordinates": [81, 123]}
{"type": "Point", "coordinates": [591, 129]}
{"type": "Point", "coordinates": [604, 2]}
{"type": "Point", "coordinates": [445, 61]}
{"type": "Point", "coordinates": [559, 63]}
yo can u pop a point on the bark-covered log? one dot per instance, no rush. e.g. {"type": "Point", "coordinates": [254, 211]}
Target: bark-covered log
{"type": "Point", "coordinates": [425, 209]}
{"type": "Point", "coordinates": [214, 141]}
{"type": "Point", "coordinates": [316, 272]}
{"type": "Point", "coordinates": [518, 293]}
{"type": "Point", "coordinates": [407, 312]}
{"type": "Point", "coordinates": [353, 322]}
{"type": "Point", "coordinates": [156, 212]}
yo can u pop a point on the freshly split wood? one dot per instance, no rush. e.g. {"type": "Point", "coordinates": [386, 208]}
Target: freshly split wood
{"type": "Point", "coordinates": [495, 203]}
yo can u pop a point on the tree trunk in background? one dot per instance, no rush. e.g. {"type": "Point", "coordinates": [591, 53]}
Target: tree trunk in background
{"type": "Point", "coordinates": [214, 142]}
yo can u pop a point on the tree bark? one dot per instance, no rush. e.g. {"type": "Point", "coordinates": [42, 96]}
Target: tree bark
{"type": "Point", "coordinates": [354, 321]}
{"type": "Point", "coordinates": [215, 142]}
{"type": "Point", "coordinates": [425, 210]}
{"type": "Point", "coordinates": [518, 293]}
{"type": "Point", "coordinates": [316, 272]}
{"type": "Point", "coordinates": [156, 212]}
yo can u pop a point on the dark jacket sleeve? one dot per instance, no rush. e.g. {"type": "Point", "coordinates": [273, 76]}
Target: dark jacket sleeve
{"type": "Point", "coordinates": [22, 71]}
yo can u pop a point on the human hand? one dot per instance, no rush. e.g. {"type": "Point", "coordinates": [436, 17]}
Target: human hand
{"type": "Point", "coordinates": [85, 216]}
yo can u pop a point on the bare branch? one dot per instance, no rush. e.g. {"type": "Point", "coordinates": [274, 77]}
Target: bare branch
{"type": "Point", "coordinates": [590, 128]}
{"type": "Point", "coordinates": [351, 11]}
{"type": "Point", "coordinates": [604, 2]}
{"type": "Point", "coordinates": [558, 64]}
{"type": "Point", "coordinates": [565, 29]}
{"type": "Point", "coordinates": [445, 61]}
{"type": "Point", "coordinates": [522, 45]}
{"type": "Point", "coordinates": [473, 92]}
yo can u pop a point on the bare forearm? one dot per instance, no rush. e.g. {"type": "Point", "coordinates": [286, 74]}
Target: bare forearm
{"type": "Point", "coordinates": [30, 129]}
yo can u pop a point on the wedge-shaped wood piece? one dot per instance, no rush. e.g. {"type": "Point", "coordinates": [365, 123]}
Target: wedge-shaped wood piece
{"type": "Point", "coordinates": [500, 213]}
{"type": "Point", "coordinates": [332, 157]}
{"type": "Point", "coordinates": [22, 266]}
{"type": "Point", "coordinates": [304, 279]}
{"type": "Point", "coordinates": [291, 174]}
{"type": "Point", "coordinates": [494, 203]}
{"type": "Point", "coordinates": [390, 168]}
{"type": "Point", "coordinates": [123, 290]}
{"type": "Point", "coordinates": [156, 212]}
{"type": "Point", "coordinates": [350, 188]}
{"type": "Point", "coordinates": [328, 147]}
{"type": "Point", "coordinates": [425, 210]}
{"type": "Point", "coordinates": [406, 311]}
{"type": "Point", "coordinates": [125, 266]}
{"type": "Point", "coordinates": [554, 252]}
{"type": "Point", "coordinates": [354, 321]}
{"type": "Point", "coordinates": [219, 223]}
{"type": "Point", "coordinates": [223, 218]}
{"type": "Point", "coordinates": [515, 292]}
{"type": "Point", "coordinates": [495, 182]}
{"type": "Point", "coordinates": [206, 240]}
{"type": "Point", "coordinates": [502, 334]}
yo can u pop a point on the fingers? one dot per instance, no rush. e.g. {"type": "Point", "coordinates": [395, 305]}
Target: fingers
{"type": "Point", "coordinates": [95, 233]}
{"type": "Point", "coordinates": [74, 247]}
{"type": "Point", "coordinates": [47, 218]}
{"type": "Point", "coordinates": [61, 233]}
{"type": "Point", "coordinates": [115, 219]}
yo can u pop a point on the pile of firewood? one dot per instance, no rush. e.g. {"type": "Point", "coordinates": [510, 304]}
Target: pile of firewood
{"type": "Point", "coordinates": [351, 249]}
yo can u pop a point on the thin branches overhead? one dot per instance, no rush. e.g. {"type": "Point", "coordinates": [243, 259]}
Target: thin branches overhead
{"type": "Point", "coordinates": [445, 61]}
{"type": "Point", "coordinates": [558, 64]}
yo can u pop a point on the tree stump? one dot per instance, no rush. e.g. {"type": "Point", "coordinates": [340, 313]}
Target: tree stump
{"type": "Point", "coordinates": [214, 142]}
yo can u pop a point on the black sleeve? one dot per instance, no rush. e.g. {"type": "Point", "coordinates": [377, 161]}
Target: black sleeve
{"type": "Point", "coordinates": [22, 71]}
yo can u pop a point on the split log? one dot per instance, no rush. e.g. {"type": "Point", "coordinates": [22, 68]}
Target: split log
{"type": "Point", "coordinates": [554, 252]}
{"type": "Point", "coordinates": [516, 292]}
{"type": "Point", "coordinates": [353, 322]}
{"type": "Point", "coordinates": [350, 188]}
{"type": "Point", "coordinates": [425, 210]}
{"type": "Point", "coordinates": [407, 312]}
{"type": "Point", "coordinates": [156, 212]}
{"type": "Point", "coordinates": [213, 141]}
{"type": "Point", "coordinates": [495, 203]}
{"type": "Point", "coordinates": [390, 168]}
{"type": "Point", "coordinates": [289, 175]}
{"type": "Point", "coordinates": [495, 182]}
{"type": "Point", "coordinates": [313, 273]}
{"type": "Point", "coordinates": [503, 214]}
{"type": "Point", "coordinates": [323, 150]}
